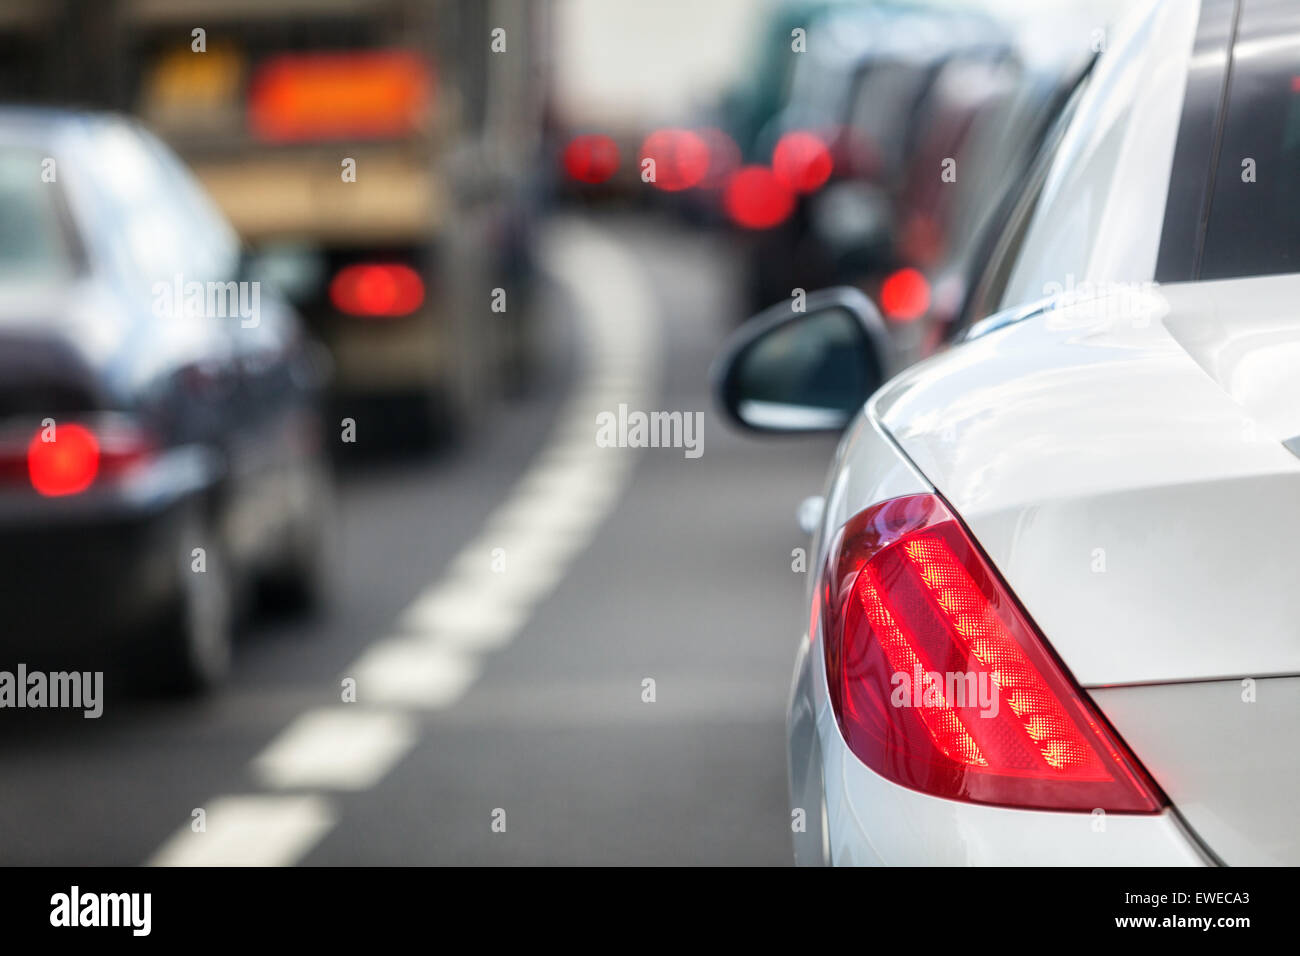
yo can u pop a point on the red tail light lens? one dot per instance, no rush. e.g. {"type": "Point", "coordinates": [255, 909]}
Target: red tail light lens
{"type": "Point", "coordinates": [377, 290]}
{"type": "Point", "coordinates": [65, 465]}
{"type": "Point", "coordinates": [681, 158]}
{"type": "Point", "coordinates": [756, 199]}
{"type": "Point", "coordinates": [941, 683]}
{"type": "Point", "coordinates": [905, 295]}
{"type": "Point", "coordinates": [591, 159]}
{"type": "Point", "coordinates": [802, 161]}
{"type": "Point", "coordinates": [75, 456]}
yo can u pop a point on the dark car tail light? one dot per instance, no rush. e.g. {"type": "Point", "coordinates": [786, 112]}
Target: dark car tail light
{"type": "Point", "coordinates": [377, 290]}
{"type": "Point", "coordinates": [681, 158]}
{"type": "Point", "coordinates": [941, 683]}
{"type": "Point", "coordinates": [591, 158]}
{"type": "Point", "coordinates": [65, 463]}
{"type": "Point", "coordinates": [802, 161]}
{"type": "Point", "coordinates": [756, 199]}
{"type": "Point", "coordinates": [70, 457]}
{"type": "Point", "coordinates": [905, 295]}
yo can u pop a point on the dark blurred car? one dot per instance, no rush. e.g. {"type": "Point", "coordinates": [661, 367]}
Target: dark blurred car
{"type": "Point", "coordinates": [937, 148]}
{"type": "Point", "coordinates": [844, 144]}
{"type": "Point", "coordinates": [748, 110]}
{"type": "Point", "coordinates": [949, 236]}
{"type": "Point", "coordinates": [159, 439]}
{"type": "Point", "coordinates": [363, 147]}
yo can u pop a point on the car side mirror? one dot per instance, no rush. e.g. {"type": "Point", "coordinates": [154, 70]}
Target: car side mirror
{"type": "Point", "coordinates": [808, 371]}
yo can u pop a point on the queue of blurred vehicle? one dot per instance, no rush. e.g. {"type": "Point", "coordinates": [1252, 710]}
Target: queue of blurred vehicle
{"type": "Point", "coordinates": [864, 100]}
{"type": "Point", "coordinates": [901, 137]}
{"type": "Point", "coordinates": [371, 157]}
{"type": "Point", "coordinates": [1129, 388]}
{"type": "Point", "coordinates": [344, 263]}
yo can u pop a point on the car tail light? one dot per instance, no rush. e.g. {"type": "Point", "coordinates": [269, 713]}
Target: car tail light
{"type": "Point", "coordinates": [377, 290]}
{"type": "Point", "coordinates": [904, 295]}
{"type": "Point", "coordinates": [681, 158]}
{"type": "Point", "coordinates": [68, 458]}
{"type": "Point", "coordinates": [755, 199]}
{"type": "Point", "coordinates": [802, 161]}
{"type": "Point", "coordinates": [591, 158]}
{"type": "Point", "coordinates": [940, 682]}
{"type": "Point", "coordinates": [66, 463]}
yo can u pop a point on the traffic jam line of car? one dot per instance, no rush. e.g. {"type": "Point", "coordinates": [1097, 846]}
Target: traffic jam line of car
{"type": "Point", "coordinates": [481, 605]}
{"type": "Point", "coordinates": [1041, 503]}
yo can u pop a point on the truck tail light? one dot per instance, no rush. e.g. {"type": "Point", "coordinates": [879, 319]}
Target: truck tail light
{"type": "Point", "coordinates": [377, 290]}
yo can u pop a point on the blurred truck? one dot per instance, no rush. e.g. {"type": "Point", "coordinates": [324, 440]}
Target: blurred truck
{"type": "Point", "coordinates": [375, 154]}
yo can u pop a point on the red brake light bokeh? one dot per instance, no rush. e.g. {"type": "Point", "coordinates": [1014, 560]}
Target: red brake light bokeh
{"type": "Point", "coordinates": [756, 199]}
{"type": "Point", "coordinates": [802, 162]}
{"type": "Point", "coordinates": [942, 684]}
{"type": "Point", "coordinates": [905, 295]}
{"type": "Point", "coordinates": [591, 159]}
{"type": "Point", "coordinates": [377, 290]}
{"type": "Point", "coordinates": [681, 158]}
{"type": "Point", "coordinates": [65, 466]}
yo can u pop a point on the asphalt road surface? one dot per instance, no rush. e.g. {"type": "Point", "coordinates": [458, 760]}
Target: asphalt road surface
{"type": "Point", "coordinates": [500, 613]}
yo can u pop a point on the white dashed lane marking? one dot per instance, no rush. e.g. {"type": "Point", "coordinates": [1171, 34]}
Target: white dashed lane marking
{"type": "Point", "coordinates": [435, 653]}
{"type": "Point", "coordinates": [403, 672]}
{"type": "Point", "coordinates": [249, 831]}
{"type": "Point", "coordinates": [464, 615]}
{"type": "Point", "coordinates": [336, 748]}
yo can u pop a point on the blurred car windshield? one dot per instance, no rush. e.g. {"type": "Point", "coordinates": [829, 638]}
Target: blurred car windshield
{"type": "Point", "coordinates": [33, 245]}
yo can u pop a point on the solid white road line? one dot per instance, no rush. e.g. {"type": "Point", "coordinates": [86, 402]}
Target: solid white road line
{"type": "Point", "coordinates": [249, 831]}
{"type": "Point", "coordinates": [495, 582]}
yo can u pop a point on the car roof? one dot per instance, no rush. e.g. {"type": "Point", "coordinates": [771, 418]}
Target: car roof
{"type": "Point", "coordinates": [920, 32]}
{"type": "Point", "coordinates": [43, 120]}
{"type": "Point", "coordinates": [52, 128]}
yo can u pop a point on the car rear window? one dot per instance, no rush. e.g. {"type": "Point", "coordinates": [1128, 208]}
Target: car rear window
{"type": "Point", "coordinates": [32, 239]}
{"type": "Point", "coordinates": [1254, 221]}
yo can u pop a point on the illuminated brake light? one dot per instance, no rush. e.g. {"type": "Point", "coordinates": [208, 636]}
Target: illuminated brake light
{"type": "Point", "coordinates": [318, 96]}
{"type": "Point", "coordinates": [377, 290]}
{"type": "Point", "coordinates": [905, 296]}
{"type": "Point", "coordinates": [941, 683]}
{"type": "Point", "coordinates": [755, 199]}
{"type": "Point", "coordinates": [591, 159]}
{"type": "Point", "coordinates": [65, 464]}
{"type": "Point", "coordinates": [680, 157]}
{"type": "Point", "coordinates": [802, 161]}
